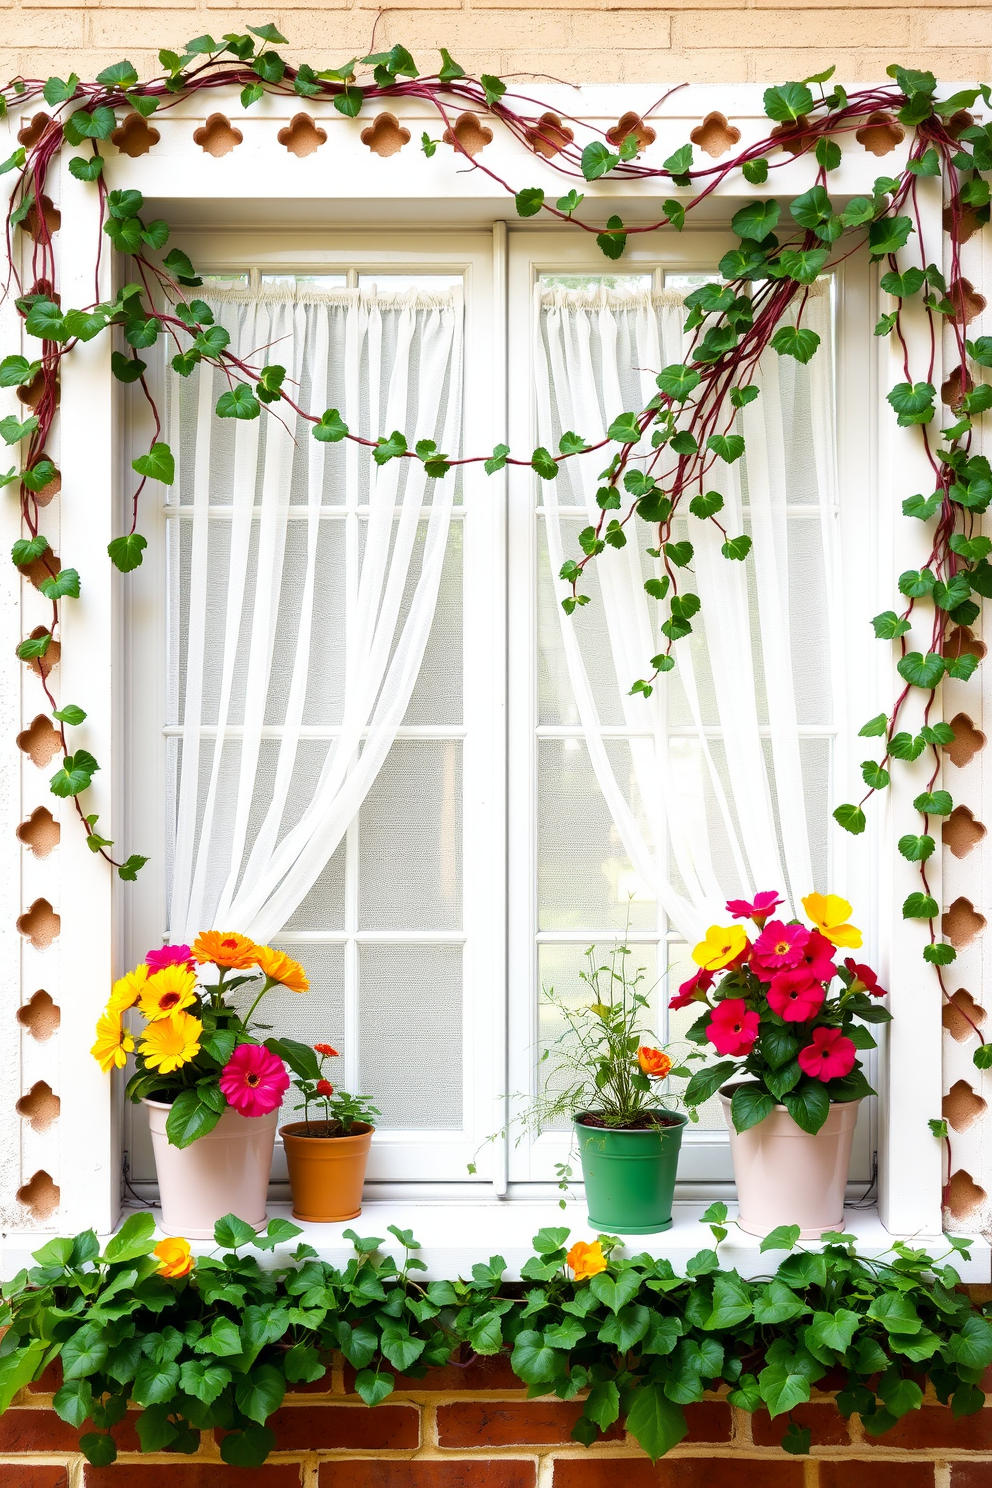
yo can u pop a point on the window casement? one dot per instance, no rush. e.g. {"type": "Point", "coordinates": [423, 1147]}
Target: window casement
{"type": "Point", "coordinates": [485, 856]}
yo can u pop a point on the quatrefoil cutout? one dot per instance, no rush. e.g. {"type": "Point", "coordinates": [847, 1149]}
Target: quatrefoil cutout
{"type": "Point", "coordinates": [968, 303]}
{"type": "Point", "coordinates": [40, 1195]}
{"type": "Point", "coordinates": [41, 1016]}
{"type": "Point", "coordinates": [43, 666]}
{"type": "Point", "coordinates": [962, 222]}
{"type": "Point", "coordinates": [468, 132]}
{"type": "Point", "coordinates": [880, 134]}
{"type": "Point", "coordinates": [962, 641]}
{"type": "Point", "coordinates": [968, 741]}
{"type": "Point", "coordinates": [952, 393]}
{"type": "Point", "coordinates": [48, 493]}
{"type": "Point", "coordinates": [549, 136]}
{"type": "Point", "coordinates": [789, 136]}
{"type": "Point", "coordinates": [961, 1015]}
{"type": "Point", "coordinates": [33, 132]}
{"type": "Point", "coordinates": [714, 135]}
{"type": "Point", "coordinates": [217, 136]}
{"type": "Point", "coordinates": [41, 741]}
{"type": "Point", "coordinates": [40, 924]}
{"type": "Point", "coordinates": [964, 1195]}
{"type": "Point", "coordinates": [32, 392]}
{"type": "Point", "coordinates": [631, 124]}
{"type": "Point", "coordinates": [40, 1107]}
{"type": "Point", "coordinates": [961, 923]}
{"type": "Point", "coordinates": [47, 566]}
{"type": "Point", "coordinates": [134, 136]}
{"type": "Point", "coordinates": [385, 136]}
{"type": "Point", "coordinates": [40, 833]}
{"type": "Point", "coordinates": [961, 833]}
{"type": "Point", "coordinates": [302, 136]}
{"type": "Point", "coordinates": [962, 1107]}
{"type": "Point", "coordinates": [41, 225]}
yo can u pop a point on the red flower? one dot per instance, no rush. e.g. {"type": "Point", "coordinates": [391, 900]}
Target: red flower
{"type": "Point", "coordinates": [324, 1087]}
{"type": "Point", "coordinates": [795, 996]}
{"type": "Point", "coordinates": [777, 946]}
{"type": "Point", "coordinates": [865, 979]}
{"type": "Point", "coordinates": [818, 957]}
{"type": "Point", "coordinates": [758, 911]}
{"type": "Point", "coordinates": [732, 1029]}
{"type": "Point", "coordinates": [829, 1056]}
{"type": "Point", "coordinates": [694, 990]}
{"type": "Point", "coordinates": [326, 1050]}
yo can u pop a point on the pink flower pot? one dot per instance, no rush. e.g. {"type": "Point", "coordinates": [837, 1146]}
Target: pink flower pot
{"type": "Point", "coordinates": [224, 1172]}
{"type": "Point", "coordinates": [786, 1176]}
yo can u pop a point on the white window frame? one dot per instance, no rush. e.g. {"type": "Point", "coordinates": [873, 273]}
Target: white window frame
{"type": "Point", "coordinates": [252, 185]}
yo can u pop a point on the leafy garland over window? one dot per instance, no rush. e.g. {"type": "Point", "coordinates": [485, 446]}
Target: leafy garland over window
{"type": "Point", "coordinates": [213, 1342]}
{"type": "Point", "coordinates": [689, 423]}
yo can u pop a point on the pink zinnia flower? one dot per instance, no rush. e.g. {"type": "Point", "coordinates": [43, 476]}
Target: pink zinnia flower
{"type": "Point", "coordinates": [795, 996]}
{"type": "Point", "coordinates": [777, 946]}
{"type": "Point", "coordinates": [169, 955]}
{"type": "Point", "coordinates": [732, 1029]}
{"type": "Point", "coordinates": [865, 980]}
{"type": "Point", "coordinates": [253, 1080]}
{"type": "Point", "coordinates": [693, 990]}
{"type": "Point", "coordinates": [829, 1056]}
{"type": "Point", "coordinates": [818, 958]}
{"type": "Point", "coordinates": [758, 911]}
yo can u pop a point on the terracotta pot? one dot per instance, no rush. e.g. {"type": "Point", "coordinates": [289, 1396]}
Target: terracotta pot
{"type": "Point", "coordinates": [326, 1174]}
{"type": "Point", "coordinates": [224, 1172]}
{"type": "Point", "coordinates": [786, 1176]}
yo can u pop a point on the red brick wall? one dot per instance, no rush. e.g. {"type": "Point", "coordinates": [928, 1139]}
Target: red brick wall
{"type": "Point", "coordinates": [474, 1428]}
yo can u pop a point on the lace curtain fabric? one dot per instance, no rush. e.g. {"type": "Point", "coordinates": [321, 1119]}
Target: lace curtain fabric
{"type": "Point", "coordinates": [725, 791]}
{"type": "Point", "coordinates": [304, 582]}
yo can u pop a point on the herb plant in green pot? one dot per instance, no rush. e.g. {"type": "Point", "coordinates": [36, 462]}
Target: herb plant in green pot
{"type": "Point", "coordinates": [613, 1084]}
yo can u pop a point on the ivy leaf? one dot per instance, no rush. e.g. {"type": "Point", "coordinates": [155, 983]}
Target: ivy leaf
{"type": "Point", "coordinates": [118, 75]}
{"type": "Point", "coordinates": [100, 124]}
{"type": "Point", "coordinates": [706, 504]}
{"type": "Point", "coordinates": [874, 727]}
{"type": "Point", "coordinates": [249, 1448]}
{"type": "Point", "coordinates": [529, 201]}
{"type": "Point", "coordinates": [888, 234]}
{"type": "Point", "coordinates": [736, 547]}
{"type": "Point", "coordinates": [934, 803]}
{"type": "Point", "coordinates": [919, 906]}
{"type": "Point", "coordinates": [597, 160]}
{"type": "Point", "coordinates": [916, 849]}
{"type": "Point", "coordinates": [34, 646]}
{"type": "Point", "coordinates": [755, 171]}
{"type": "Point", "coordinates": [788, 102]}
{"type": "Point", "coordinates": [678, 381]}
{"type": "Point", "coordinates": [64, 584]}
{"type": "Point", "coordinates": [922, 507]}
{"type": "Point", "coordinates": [238, 402]}
{"type": "Point", "coordinates": [655, 1422]}
{"type": "Point", "coordinates": [544, 463]}
{"type": "Point", "coordinates": [158, 464]}
{"type": "Point", "coordinates": [913, 402]}
{"type": "Point", "coordinates": [921, 671]}
{"type": "Point", "coordinates": [494, 88]}
{"type": "Point", "coordinates": [70, 714]}
{"type": "Point", "coordinates": [331, 427]}
{"type": "Point", "coordinates": [795, 341]}
{"type": "Point", "coordinates": [729, 447]}
{"type": "Point", "coordinates": [129, 871]}
{"type": "Point", "coordinates": [614, 240]}
{"type": "Point", "coordinates": [888, 626]}
{"type": "Point", "coordinates": [941, 955]}
{"type": "Point", "coordinates": [874, 776]}
{"type": "Point", "coordinates": [756, 220]}
{"type": "Point", "coordinates": [126, 552]}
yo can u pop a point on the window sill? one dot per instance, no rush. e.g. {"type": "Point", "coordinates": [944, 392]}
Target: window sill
{"type": "Point", "coordinates": [454, 1234]}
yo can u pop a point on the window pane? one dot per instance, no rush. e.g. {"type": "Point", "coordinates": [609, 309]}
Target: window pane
{"type": "Point", "coordinates": [410, 1015]}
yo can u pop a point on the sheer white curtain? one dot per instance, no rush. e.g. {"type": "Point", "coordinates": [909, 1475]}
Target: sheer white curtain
{"type": "Point", "coordinates": [723, 783]}
{"type": "Point", "coordinates": [304, 585]}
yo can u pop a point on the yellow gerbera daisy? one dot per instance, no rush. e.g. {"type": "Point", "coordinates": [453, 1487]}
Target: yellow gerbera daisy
{"type": "Point", "coordinates": [282, 968]}
{"type": "Point", "coordinates": [225, 948]}
{"type": "Point", "coordinates": [829, 914]}
{"type": "Point", "coordinates": [723, 944]}
{"type": "Point", "coordinates": [169, 1043]}
{"type": "Point", "coordinates": [113, 1042]}
{"type": "Point", "coordinates": [128, 988]}
{"type": "Point", "coordinates": [168, 991]}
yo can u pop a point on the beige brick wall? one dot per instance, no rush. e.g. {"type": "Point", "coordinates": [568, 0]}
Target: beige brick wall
{"type": "Point", "coordinates": [706, 41]}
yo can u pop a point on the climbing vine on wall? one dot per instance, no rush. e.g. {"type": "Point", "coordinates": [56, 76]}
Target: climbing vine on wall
{"type": "Point", "coordinates": [662, 460]}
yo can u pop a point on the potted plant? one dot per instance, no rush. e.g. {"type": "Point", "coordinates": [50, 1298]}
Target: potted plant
{"type": "Point", "coordinates": [326, 1156]}
{"type": "Point", "coordinates": [610, 1081]}
{"type": "Point", "coordinates": [211, 1087]}
{"type": "Point", "coordinates": [792, 1082]}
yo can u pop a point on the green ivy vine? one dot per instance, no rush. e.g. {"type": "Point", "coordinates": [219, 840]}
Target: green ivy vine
{"type": "Point", "coordinates": [690, 422]}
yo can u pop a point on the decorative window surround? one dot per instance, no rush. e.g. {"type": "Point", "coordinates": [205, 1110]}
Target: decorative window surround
{"type": "Point", "coordinates": [79, 1152]}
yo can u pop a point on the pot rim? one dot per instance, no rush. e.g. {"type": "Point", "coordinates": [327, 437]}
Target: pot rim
{"type": "Point", "coordinates": [303, 1136]}
{"type": "Point", "coordinates": [778, 1106]}
{"type": "Point", "coordinates": [630, 1131]}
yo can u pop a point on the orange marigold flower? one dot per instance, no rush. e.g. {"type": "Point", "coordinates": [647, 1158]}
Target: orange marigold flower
{"type": "Point", "coordinates": [326, 1050]}
{"type": "Point", "coordinates": [653, 1062]}
{"type": "Point", "coordinates": [174, 1257]}
{"type": "Point", "coordinates": [225, 948]}
{"type": "Point", "coordinates": [281, 968]}
{"type": "Point", "coordinates": [586, 1260]}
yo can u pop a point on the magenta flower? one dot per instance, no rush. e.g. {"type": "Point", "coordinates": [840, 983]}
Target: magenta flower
{"type": "Point", "coordinates": [829, 1056]}
{"type": "Point", "coordinates": [865, 980]}
{"type": "Point", "coordinates": [758, 911]}
{"type": "Point", "coordinates": [818, 958]}
{"type": "Point", "coordinates": [795, 996]}
{"type": "Point", "coordinates": [169, 955]}
{"type": "Point", "coordinates": [779, 945]}
{"type": "Point", "coordinates": [253, 1080]}
{"type": "Point", "coordinates": [732, 1029]}
{"type": "Point", "coordinates": [694, 990]}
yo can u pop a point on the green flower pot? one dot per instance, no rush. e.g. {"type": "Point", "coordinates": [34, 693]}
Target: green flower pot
{"type": "Point", "coordinates": [630, 1175]}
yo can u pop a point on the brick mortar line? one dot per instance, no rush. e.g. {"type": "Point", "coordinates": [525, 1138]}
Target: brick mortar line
{"type": "Point", "coordinates": [522, 1453]}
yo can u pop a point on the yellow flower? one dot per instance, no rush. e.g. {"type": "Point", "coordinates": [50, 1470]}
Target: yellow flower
{"type": "Point", "coordinates": [282, 968]}
{"type": "Point", "coordinates": [829, 914]}
{"type": "Point", "coordinates": [225, 948]}
{"type": "Point", "coordinates": [586, 1260]}
{"type": "Point", "coordinates": [722, 945]}
{"type": "Point", "coordinates": [174, 1257]}
{"type": "Point", "coordinates": [169, 1043]}
{"type": "Point", "coordinates": [168, 991]}
{"type": "Point", "coordinates": [113, 1041]}
{"type": "Point", "coordinates": [127, 989]}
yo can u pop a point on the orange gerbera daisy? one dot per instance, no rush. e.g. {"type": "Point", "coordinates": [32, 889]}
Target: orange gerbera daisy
{"type": "Point", "coordinates": [279, 967]}
{"type": "Point", "coordinates": [225, 948]}
{"type": "Point", "coordinates": [168, 991]}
